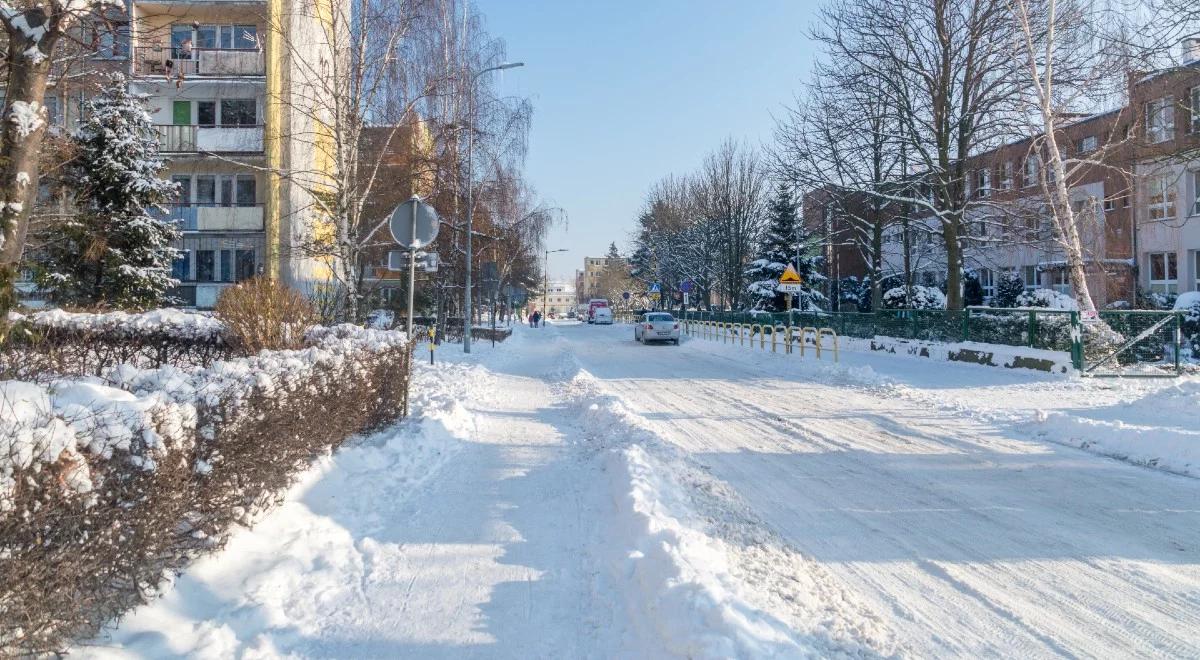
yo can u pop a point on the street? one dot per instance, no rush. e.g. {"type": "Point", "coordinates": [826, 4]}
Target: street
{"type": "Point", "coordinates": [594, 497]}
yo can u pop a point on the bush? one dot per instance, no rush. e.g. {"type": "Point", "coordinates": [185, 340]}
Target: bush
{"type": "Point", "coordinates": [1189, 304]}
{"type": "Point", "coordinates": [1008, 288]}
{"type": "Point", "coordinates": [1047, 299]}
{"type": "Point", "coordinates": [105, 488]}
{"type": "Point", "coordinates": [1155, 300]}
{"type": "Point", "coordinates": [260, 313]}
{"type": "Point", "coordinates": [923, 297]}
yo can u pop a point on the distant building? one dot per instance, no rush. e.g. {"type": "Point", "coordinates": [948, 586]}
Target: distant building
{"type": "Point", "coordinates": [559, 299]}
{"type": "Point", "coordinates": [593, 272]}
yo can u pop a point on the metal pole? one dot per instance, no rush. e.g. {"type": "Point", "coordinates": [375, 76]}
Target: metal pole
{"type": "Point", "coordinates": [470, 218]}
{"type": "Point", "coordinates": [546, 286]}
{"type": "Point", "coordinates": [412, 267]}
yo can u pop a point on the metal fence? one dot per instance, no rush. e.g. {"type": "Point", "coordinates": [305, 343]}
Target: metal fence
{"type": "Point", "coordinates": [1124, 338]}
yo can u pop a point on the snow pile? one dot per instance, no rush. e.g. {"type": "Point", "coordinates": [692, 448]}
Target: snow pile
{"type": "Point", "coordinates": [923, 297]}
{"type": "Point", "coordinates": [172, 322]}
{"type": "Point", "coordinates": [698, 567]}
{"type": "Point", "coordinates": [1157, 430]}
{"type": "Point", "coordinates": [1046, 299]}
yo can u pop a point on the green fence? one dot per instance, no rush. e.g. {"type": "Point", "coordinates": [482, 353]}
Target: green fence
{"type": "Point", "coordinates": [1125, 338]}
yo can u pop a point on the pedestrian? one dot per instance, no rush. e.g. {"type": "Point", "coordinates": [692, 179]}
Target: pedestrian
{"type": "Point", "coordinates": [531, 320]}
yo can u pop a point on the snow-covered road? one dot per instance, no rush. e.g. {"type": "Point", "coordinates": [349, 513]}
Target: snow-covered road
{"type": "Point", "coordinates": [574, 494]}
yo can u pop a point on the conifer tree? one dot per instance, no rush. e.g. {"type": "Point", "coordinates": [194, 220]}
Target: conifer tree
{"type": "Point", "coordinates": [114, 252]}
{"type": "Point", "coordinates": [784, 242]}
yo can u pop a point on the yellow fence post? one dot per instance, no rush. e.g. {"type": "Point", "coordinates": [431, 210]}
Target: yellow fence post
{"type": "Point", "coordinates": [832, 333]}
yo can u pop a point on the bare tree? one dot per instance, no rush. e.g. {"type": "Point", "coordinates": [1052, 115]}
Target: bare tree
{"type": "Point", "coordinates": [730, 192]}
{"type": "Point", "coordinates": [945, 67]}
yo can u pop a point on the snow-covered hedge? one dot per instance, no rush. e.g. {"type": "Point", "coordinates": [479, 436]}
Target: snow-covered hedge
{"type": "Point", "coordinates": [1189, 304]}
{"type": "Point", "coordinates": [107, 481]}
{"type": "Point", "coordinates": [53, 344]}
{"type": "Point", "coordinates": [923, 297]}
{"type": "Point", "coordinates": [1046, 299]}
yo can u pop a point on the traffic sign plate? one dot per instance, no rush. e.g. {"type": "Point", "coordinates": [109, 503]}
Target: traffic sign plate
{"type": "Point", "coordinates": [414, 223]}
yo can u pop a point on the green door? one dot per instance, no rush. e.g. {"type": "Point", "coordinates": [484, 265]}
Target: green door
{"type": "Point", "coordinates": [182, 113]}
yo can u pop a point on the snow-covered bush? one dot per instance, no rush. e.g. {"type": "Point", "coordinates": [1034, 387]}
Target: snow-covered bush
{"type": "Point", "coordinates": [1119, 305]}
{"type": "Point", "coordinates": [1189, 304]}
{"type": "Point", "coordinates": [54, 344]}
{"type": "Point", "coordinates": [1155, 300]}
{"type": "Point", "coordinates": [1008, 288]}
{"type": "Point", "coordinates": [109, 481]}
{"type": "Point", "coordinates": [922, 297]}
{"type": "Point", "coordinates": [1047, 299]}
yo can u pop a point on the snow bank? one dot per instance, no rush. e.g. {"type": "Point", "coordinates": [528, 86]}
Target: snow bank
{"type": "Point", "coordinates": [696, 564]}
{"type": "Point", "coordinates": [992, 355]}
{"type": "Point", "coordinates": [1158, 430]}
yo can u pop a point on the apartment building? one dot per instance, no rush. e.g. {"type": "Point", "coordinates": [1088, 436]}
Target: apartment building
{"type": "Point", "coordinates": [225, 90]}
{"type": "Point", "coordinates": [1135, 200]}
{"type": "Point", "coordinates": [588, 280]}
{"type": "Point", "coordinates": [559, 299]}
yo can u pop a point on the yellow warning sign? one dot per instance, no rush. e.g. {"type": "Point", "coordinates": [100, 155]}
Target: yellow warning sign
{"type": "Point", "coordinates": [790, 276]}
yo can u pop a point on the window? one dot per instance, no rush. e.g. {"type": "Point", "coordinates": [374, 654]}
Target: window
{"type": "Point", "coordinates": [1160, 120]}
{"type": "Point", "coordinates": [111, 41]}
{"type": "Point", "coordinates": [206, 265]}
{"type": "Point", "coordinates": [983, 182]}
{"type": "Point", "coordinates": [1195, 192]}
{"type": "Point", "coordinates": [987, 280]}
{"type": "Point", "coordinates": [239, 112]}
{"type": "Point", "coordinates": [206, 113]}
{"type": "Point", "coordinates": [226, 265]}
{"type": "Point", "coordinates": [1110, 204]}
{"type": "Point", "coordinates": [1161, 196]}
{"type": "Point", "coordinates": [1164, 272]}
{"type": "Point", "coordinates": [242, 37]}
{"type": "Point", "coordinates": [245, 191]}
{"type": "Point", "coordinates": [1006, 175]}
{"type": "Point", "coordinates": [206, 189]}
{"type": "Point", "coordinates": [1030, 176]}
{"type": "Point", "coordinates": [53, 110]}
{"type": "Point", "coordinates": [1196, 269]}
{"type": "Point", "coordinates": [1060, 281]}
{"type": "Point", "coordinates": [183, 185]}
{"type": "Point", "coordinates": [1195, 110]}
{"type": "Point", "coordinates": [181, 269]}
{"type": "Point", "coordinates": [1086, 145]}
{"type": "Point", "coordinates": [1031, 278]}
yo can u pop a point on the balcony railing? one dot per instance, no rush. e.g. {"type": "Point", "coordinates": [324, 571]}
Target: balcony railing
{"type": "Point", "coordinates": [199, 62]}
{"type": "Point", "coordinates": [190, 138]}
{"type": "Point", "coordinates": [214, 217]}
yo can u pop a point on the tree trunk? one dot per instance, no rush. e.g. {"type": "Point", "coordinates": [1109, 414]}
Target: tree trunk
{"type": "Point", "coordinates": [953, 264]}
{"type": "Point", "coordinates": [20, 148]}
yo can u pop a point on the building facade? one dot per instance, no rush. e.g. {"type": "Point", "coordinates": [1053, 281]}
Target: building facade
{"type": "Point", "coordinates": [1135, 195]}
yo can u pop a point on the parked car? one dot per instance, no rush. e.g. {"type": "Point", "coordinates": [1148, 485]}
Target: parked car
{"type": "Point", "coordinates": [593, 305]}
{"type": "Point", "coordinates": [656, 326]}
{"type": "Point", "coordinates": [602, 316]}
{"type": "Point", "coordinates": [381, 319]}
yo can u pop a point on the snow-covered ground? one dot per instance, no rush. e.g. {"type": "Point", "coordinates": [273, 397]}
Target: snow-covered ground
{"type": "Point", "coordinates": [574, 494]}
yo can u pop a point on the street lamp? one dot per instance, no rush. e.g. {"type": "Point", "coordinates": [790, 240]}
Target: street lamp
{"type": "Point", "coordinates": [470, 195]}
{"type": "Point", "coordinates": [546, 275]}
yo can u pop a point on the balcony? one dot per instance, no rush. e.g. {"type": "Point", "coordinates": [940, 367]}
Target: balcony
{"type": "Point", "coordinates": [185, 138]}
{"type": "Point", "coordinates": [210, 217]}
{"type": "Point", "coordinates": [198, 62]}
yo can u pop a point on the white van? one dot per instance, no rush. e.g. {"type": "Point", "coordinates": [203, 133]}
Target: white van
{"type": "Point", "coordinates": [602, 316]}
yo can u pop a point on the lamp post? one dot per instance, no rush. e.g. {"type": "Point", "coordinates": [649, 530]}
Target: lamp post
{"type": "Point", "coordinates": [471, 197]}
{"type": "Point", "coordinates": [546, 275]}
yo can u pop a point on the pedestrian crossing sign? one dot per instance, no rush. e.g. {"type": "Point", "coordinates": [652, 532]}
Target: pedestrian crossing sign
{"type": "Point", "coordinates": [654, 288]}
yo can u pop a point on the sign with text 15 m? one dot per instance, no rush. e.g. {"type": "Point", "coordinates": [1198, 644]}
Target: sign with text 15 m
{"type": "Point", "coordinates": [790, 281]}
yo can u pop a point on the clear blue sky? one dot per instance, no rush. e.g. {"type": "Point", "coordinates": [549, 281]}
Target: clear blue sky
{"type": "Point", "coordinates": [627, 91]}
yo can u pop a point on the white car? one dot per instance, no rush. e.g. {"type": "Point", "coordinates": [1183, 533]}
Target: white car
{"type": "Point", "coordinates": [656, 326]}
{"type": "Point", "coordinates": [602, 316]}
